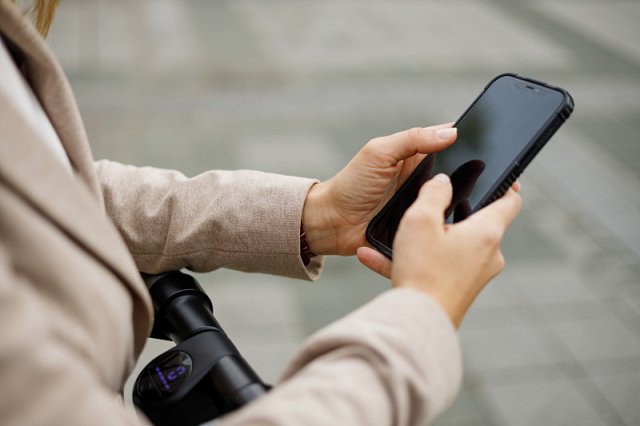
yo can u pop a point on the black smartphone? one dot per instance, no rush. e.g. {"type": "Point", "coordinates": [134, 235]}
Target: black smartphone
{"type": "Point", "coordinates": [498, 136]}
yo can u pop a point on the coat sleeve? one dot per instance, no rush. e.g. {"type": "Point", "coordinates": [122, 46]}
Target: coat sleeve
{"type": "Point", "coordinates": [395, 361]}
{"type": "Point", "coordinates": [244, 220]}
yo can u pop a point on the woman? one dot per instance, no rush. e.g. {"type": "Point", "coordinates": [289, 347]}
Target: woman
{"type": "Point", "coordinates": [74, 313]}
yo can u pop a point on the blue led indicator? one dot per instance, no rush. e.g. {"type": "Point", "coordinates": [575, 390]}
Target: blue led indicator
{"type": "Point", "coordinates": [165, 385]}
{"type": "Point", "coordinates": [175, 373]}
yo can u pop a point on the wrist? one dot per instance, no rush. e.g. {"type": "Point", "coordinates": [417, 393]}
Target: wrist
{"type": "Point", "coordinates": [321, 234]}
{"type": "Point", "coordinates": [450, 303]}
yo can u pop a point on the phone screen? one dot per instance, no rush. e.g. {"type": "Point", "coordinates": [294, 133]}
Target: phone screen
{"type": "Point", "coordinates": [492, 134]}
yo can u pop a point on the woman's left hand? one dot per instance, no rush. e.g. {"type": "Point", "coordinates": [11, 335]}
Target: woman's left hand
{"type": "Point", "coordinates": [337, 211]}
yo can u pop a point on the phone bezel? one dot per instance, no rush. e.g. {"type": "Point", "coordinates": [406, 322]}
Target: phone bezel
{"type": "Point", "coordinates": [517, 166]}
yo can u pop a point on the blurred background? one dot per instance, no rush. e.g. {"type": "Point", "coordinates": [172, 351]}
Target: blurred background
{"type": "Point", "coordinates": [297, 87]}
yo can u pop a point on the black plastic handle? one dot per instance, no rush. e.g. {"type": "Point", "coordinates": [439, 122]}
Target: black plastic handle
{"type": "Point", "coordinates": [204, 376]}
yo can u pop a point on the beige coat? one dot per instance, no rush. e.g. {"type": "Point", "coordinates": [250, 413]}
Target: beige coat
{"type": "Point", "coordinates": [74, 313]}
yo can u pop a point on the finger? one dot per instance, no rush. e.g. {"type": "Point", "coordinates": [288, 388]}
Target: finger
{"type": "Point", "coordinates": [409, 166]}
{"type": "Point", "coordinates": [405, 144]}
{"type": "Point", "coordinates": [433, 199]}
{"type": "Point", "coordinates": [516, 186]}
{"type": "Point", "coordinates": [501, 212]}
{"type": "Point", "coordinates": [375, 261]}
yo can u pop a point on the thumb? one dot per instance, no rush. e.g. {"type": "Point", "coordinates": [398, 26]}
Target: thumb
{"type": "Point", "coordinates": [423, 140]}
{"type": "Point", "coordinates": [433, 200]}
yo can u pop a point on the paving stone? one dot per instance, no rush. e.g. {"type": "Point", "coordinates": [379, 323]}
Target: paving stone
{"type": "Point", "coordinates": [594, 18]}
{"type": "Point", "coordinates": [622, 392]}
{"type": "Point", "coordinates": [336, 35]}
{"type": "Point", "coordinates": [574, 311]}
{"type": "Point", "coordinates": [492, 349]}
{"type": "Point", "coordinates": [543, 403]}
{"type": "Point", "coordinates": [343, 288]}
{"type": "Point", "coordinates": [552, 283]}
{"type": "Point", "coordinates": [598, 339]}
{"type": "Point", "coordinates": [467, 410]}
{"type": "Point", "coordinates": [617, 210]}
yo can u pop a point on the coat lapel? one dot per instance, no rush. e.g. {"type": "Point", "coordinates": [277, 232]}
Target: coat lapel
{"type": "Point", "coordinates": [74, 203]}
{"type": "Point", "coordinates": [47, 81]}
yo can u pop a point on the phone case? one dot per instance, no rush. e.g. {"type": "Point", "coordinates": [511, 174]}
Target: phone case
{"type": "Point", "coordinates": [515, 170]}
{"type": "Point", "coordinates": [539, 140]}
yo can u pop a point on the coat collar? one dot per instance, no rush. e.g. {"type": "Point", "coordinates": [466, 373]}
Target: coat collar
{"type": "Point", "coordinates": [46, 78]}
{"type": "Point", "coordinates": [74, 204]}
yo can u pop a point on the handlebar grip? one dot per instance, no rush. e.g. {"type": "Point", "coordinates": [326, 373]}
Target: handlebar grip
{"type": "Point", "coordinates": [204, 376]}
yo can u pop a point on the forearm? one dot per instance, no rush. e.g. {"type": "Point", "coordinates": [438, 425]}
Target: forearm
{"type": "Point", "coordinates": [243, 220]}
{"type": "Point", "coordinates": [395, 361]}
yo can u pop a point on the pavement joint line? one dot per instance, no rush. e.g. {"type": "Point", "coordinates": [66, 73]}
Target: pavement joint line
{"type": "Point", "coordinates": [572, 368]}
{"type": "Point", "coordinates": [584, 46]}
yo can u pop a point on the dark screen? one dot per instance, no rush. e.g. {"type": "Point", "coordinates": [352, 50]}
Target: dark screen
{"type": "Point", "coordinates": [492, 134]}
{"type": "Point", "coordinates": [165, 375]}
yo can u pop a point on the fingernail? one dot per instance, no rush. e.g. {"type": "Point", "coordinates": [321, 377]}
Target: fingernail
{"type": "Point", "coordinates": [441, 178]}
{"type": "Point", "coordinates": [446, 134]}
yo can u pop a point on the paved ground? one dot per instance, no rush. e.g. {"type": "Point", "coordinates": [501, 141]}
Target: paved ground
{"type": "Point", "coordinates": [297, 87]}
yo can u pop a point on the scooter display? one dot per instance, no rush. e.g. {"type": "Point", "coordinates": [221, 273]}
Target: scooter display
{"type": "Point", "coordinates": [203, 376]}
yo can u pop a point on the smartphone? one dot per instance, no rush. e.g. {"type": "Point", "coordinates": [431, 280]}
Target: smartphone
{"type": "Point", "coordinates": [498, 136]}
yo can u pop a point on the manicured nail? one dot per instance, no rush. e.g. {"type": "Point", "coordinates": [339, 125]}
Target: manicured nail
{"type": "Point", "coordinates": [441, 178]}
{"type": "Point", "coordinates": [446, 134]}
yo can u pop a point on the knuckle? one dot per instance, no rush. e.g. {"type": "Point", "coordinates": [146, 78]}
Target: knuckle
{"type": "Point", "coordinates": [417, 216]}
{"type": "Point", "coordinates": [413, 216]}
{"type": "Point", "coordinates": [425, 217]}
{"type": "Point", "coordinates": [373, 143]}
{"type": "Point", "coordinates": [492, 236]}
{"type": "Point", "coordinates": [376, 140]}
{"type": "Point", "coordinates": [415, 133]}
{"type": "Point", "coordinates": [374, 147]}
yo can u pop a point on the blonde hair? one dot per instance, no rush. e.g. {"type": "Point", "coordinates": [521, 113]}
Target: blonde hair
{"type": "Point", "coordinates": [43, 12]}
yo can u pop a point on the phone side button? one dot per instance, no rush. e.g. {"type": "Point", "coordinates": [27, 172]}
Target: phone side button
{"type": "Point", "coordinates": [515, 174]}
{"type": "Point", "coordinates": [530, 156]}
{"type": "Point", "coordinates": [517, 171]}
{"type": "Point", "coordinates": [506, 184]}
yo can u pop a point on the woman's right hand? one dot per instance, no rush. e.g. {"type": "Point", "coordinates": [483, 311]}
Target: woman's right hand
{"type": "Point", "coordinates": [450, 263]}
